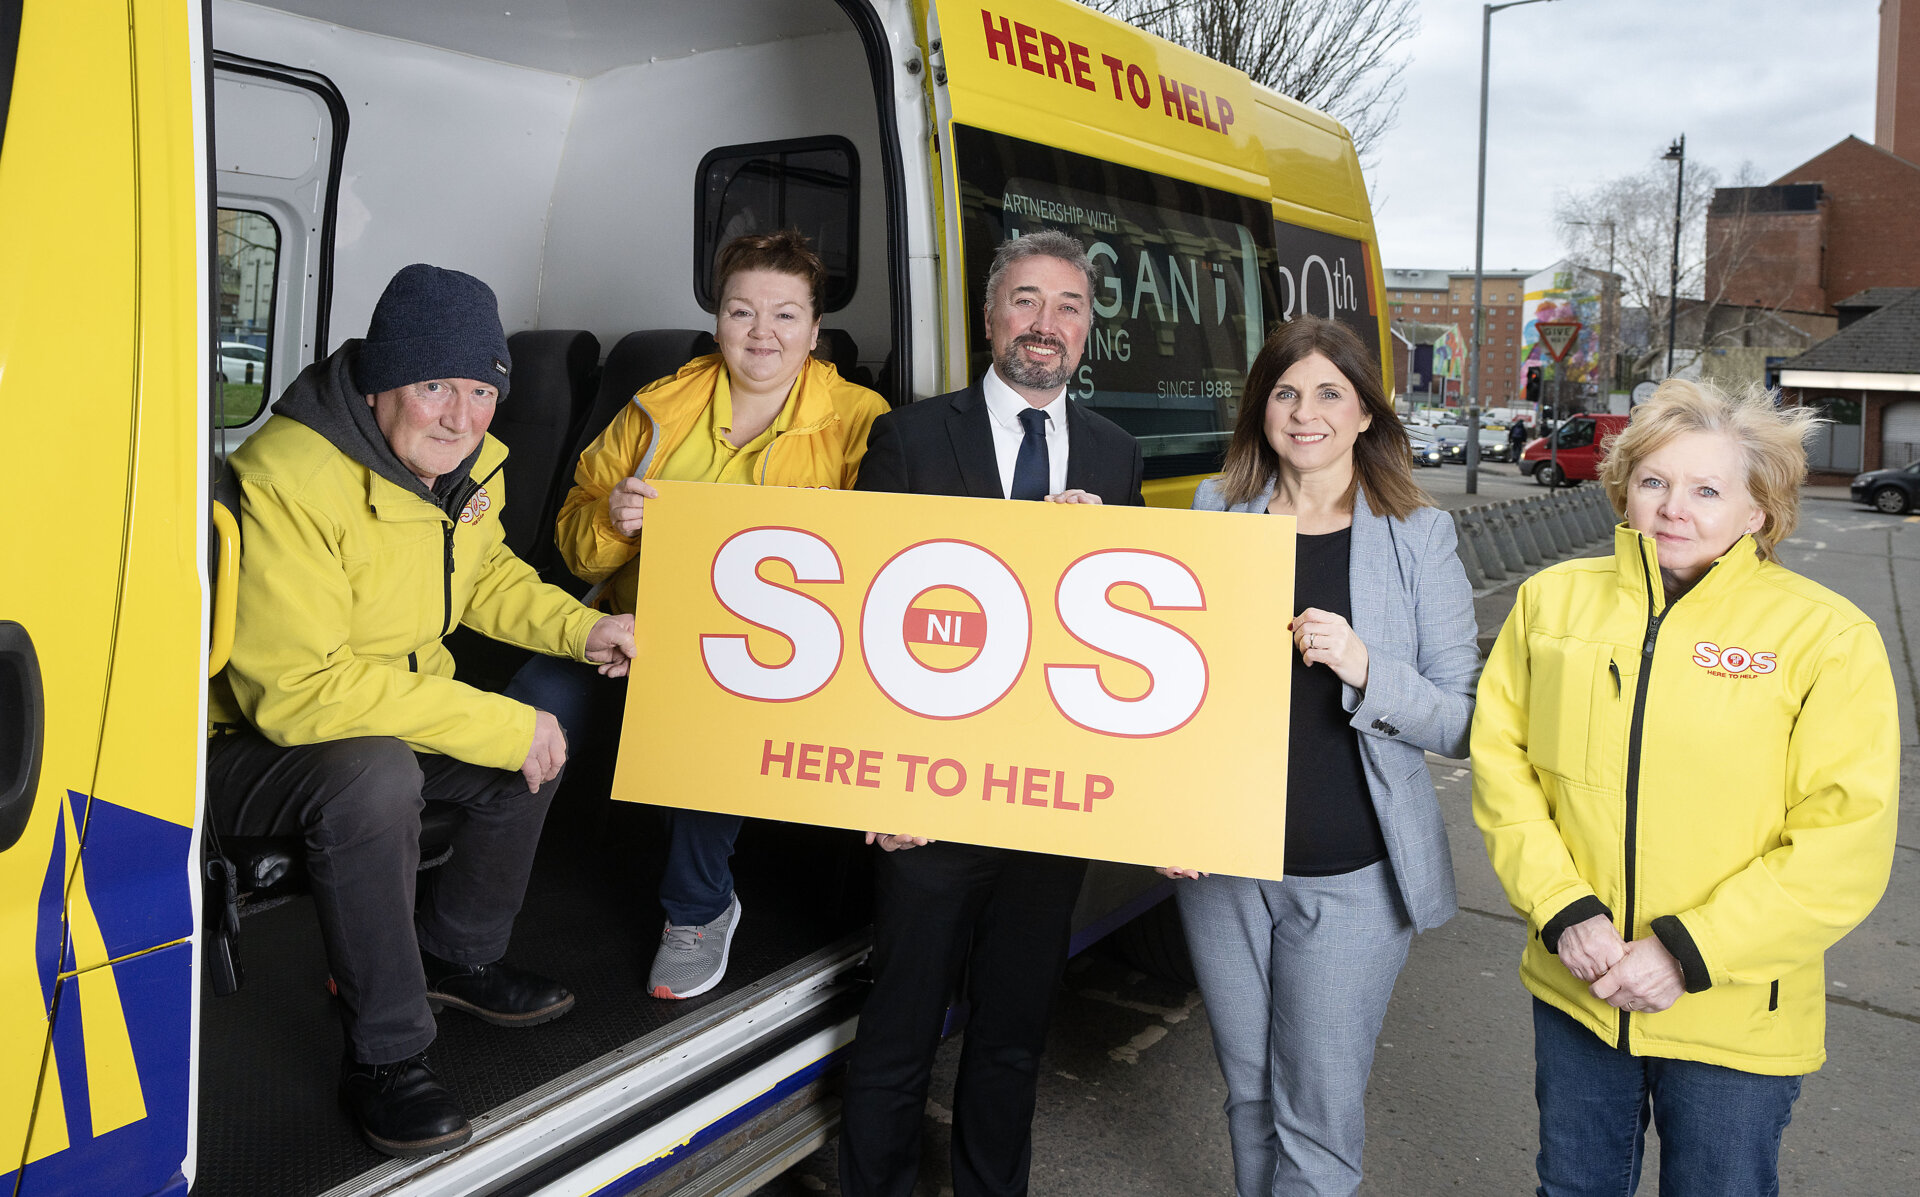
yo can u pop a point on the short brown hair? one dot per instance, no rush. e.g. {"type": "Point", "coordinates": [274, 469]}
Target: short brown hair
{"type": "Point", "coordinates": [784, 252]}
{"type": "Point", "coordinates": [1772, 442]}
{"type": "Point", "coordinates": [1383, 461]}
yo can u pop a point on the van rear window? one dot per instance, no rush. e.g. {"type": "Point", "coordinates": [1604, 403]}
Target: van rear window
{"type": "Point", "coordinates": [811, 184]}
{"type": "Point", "coordinates": [1182, 302]}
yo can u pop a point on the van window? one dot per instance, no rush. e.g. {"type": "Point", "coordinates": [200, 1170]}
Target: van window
{"type": "Point", "coordinates": [1181, 302]}
{"type": "Point", "coordinates": [811, 184]}
{"type": "Point", "coordinates": [1577, 434]}
{"type": "Point", "coordinates": [248, 252]}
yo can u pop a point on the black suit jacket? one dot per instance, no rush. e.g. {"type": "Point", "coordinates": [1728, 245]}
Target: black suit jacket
{"type": "Point", "coordinates": [944, 446]}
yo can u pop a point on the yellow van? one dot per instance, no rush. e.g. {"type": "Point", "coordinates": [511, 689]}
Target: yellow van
{"type": "Point", "coordinates": [199, 198]}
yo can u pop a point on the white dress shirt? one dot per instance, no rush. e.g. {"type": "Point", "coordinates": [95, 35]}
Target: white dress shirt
{"type": "Point", "coordinates": [1004, 405]}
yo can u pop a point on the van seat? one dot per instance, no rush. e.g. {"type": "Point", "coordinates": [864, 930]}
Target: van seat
{"type": "Point", "coordinates": [634, 361]}
{"type": "Point", "coordinates": [551, 370]}
{"type": "Point", "coordinates": [837, 346]}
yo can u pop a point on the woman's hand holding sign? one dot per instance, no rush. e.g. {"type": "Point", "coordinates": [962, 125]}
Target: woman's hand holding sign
{"type": "Point", "coordinates": [627, 504]}
{"type": "Point", "coordinates": [1324, 638]}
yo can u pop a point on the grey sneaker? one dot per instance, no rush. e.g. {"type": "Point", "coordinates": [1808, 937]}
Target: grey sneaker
{"type": "Point", "coordinates": [691, 960]}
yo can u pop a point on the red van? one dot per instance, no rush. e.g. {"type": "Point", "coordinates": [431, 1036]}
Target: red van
{"type": "Point", "coordinates": [1582, 446]}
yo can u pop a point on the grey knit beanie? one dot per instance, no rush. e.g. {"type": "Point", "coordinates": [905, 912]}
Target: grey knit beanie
{"type": "Point", "coordinates": [433, 323]}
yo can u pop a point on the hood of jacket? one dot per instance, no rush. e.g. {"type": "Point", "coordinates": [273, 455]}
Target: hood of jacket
{"type": "Point", "coordinates": [325, 399]}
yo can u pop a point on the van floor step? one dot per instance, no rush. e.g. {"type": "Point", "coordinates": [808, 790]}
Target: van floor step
{"type": "Point", "coordinates": [270, 1054]}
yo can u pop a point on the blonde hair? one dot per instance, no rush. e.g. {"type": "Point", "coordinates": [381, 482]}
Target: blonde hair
{"type": "Point", "coordinates": [1772, 441]}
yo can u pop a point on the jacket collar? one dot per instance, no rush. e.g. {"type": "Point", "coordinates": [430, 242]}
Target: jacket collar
{"type": "Point", "coordinates": [691, 390]}
{"type": "Point", "coordinates": [1637, 569]}
{"type": "Point", "coordinates": [394, 504]}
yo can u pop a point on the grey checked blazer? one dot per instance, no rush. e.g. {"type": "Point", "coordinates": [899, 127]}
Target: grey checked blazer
{"type": "Point", "coordinates": [1413, 609]}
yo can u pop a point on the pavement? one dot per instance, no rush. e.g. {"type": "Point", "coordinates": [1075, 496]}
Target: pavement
{"type": "Point", "coordinates": [1130, 1097]}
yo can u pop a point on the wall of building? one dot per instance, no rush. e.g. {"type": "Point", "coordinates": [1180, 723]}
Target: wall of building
{"type": "Point", "coordinates": [1872, 238]}
{"type": "Point", "coordinates": [1769, 259]}
{"type": "Point", "coordinates": [1896, 114]}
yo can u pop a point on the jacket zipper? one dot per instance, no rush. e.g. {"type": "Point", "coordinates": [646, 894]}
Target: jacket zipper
{"type": "Point", "coordinates": [1633, 764]}
{"type": "Point", "coordinates": [446, 580]}
{"type": "Point", "coordinates": [446, 530]}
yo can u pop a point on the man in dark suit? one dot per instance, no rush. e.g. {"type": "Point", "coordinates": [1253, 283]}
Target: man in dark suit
{"type": "Point", "coordinates": [1004, 915]}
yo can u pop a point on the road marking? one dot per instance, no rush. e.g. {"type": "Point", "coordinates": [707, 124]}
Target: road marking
{"type": "Point", "coordinates": [1129, 1052]}
{"type": "Point", "coordinates": [1171, 1014]}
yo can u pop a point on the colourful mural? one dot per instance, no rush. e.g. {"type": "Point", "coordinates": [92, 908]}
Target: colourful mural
{"type": "Point", "coordinates": [1564, 292]}
{"type": "Point", "coordinates": [1449, 359]}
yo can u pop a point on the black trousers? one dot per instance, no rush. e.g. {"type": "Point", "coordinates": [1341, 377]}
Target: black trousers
{"type": "Point", "coordinates": [1004, 915]}
{"type": "Point", "coordinates": [357, 803]}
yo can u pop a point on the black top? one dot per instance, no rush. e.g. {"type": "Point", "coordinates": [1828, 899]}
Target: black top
{"type": "Point", "coordinates": [1331, 824]}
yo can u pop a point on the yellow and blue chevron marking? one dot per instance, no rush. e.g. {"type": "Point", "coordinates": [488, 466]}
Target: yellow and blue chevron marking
{"type": "Point", "coordinates": [114, 958]}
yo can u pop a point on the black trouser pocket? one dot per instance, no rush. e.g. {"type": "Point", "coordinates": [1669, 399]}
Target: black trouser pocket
{"type": "Point", "coordinates": [1773, 999]}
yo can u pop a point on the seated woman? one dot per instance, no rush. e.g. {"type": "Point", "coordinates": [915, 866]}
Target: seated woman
{"type": "Point", "coordinates": [1686, 768]}
{"type": "Point", "coordinates": [717, 420]}
{"type": "Point", "coordinates": [1297, 970]}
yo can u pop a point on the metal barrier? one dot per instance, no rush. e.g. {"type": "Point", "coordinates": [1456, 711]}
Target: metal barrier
{"type": "Point", "coordinates": [1511, 538]}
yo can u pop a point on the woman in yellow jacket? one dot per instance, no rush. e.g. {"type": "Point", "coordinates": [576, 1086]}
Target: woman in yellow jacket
{"type": "Point", "coordinates": [1686, 769]}
{"type": "Point", "coordinates": [761, 411]}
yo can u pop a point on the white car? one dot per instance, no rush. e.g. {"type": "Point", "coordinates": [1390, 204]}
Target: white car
{"type": "Point", "coordinates": [236, 356]}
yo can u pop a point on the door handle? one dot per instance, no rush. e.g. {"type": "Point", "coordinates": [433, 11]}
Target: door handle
{"type": "Point", "coordinates": [23, 726]}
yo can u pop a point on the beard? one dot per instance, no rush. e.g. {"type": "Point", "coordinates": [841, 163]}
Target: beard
{"type": "Point", "coordinates": [1017, 370]}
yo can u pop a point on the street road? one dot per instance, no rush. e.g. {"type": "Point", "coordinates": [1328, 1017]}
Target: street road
{"type": "Point", "coordinates": [1130, 1095]}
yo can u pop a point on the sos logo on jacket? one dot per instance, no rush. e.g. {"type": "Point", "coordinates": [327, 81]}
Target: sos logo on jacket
{"type": "Point", "coordinates": [1733, 662]}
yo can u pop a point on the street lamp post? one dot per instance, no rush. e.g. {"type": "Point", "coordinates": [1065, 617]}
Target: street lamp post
{"type": "Point", "coordinates": [1479, 248]}
{"type": "Point", "coordinates": [1677, 152]}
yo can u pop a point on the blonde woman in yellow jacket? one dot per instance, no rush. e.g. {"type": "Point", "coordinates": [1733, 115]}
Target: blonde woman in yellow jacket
{"type": "Point", "coordinates": [1686, 770]}
{"type": "Point", "coordinates": [763, 411]}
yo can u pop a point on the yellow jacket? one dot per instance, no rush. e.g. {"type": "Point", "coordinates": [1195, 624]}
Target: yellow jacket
{"type": "Point", "coordinates": [345, 595]}
{"type": "Point", "coordinates": [821, 448]}
{"type": "Point", "coordinates": [1722, 772]}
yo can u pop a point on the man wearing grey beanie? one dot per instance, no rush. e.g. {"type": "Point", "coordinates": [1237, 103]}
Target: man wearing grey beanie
{"type": "Point", "coordinates": [370, 525]}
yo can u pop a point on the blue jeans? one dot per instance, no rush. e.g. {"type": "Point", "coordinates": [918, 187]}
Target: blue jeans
{"type": "Point", "coordinates": [1719, 1127]}
{"type": "Point", "coordinates": [697, 886]}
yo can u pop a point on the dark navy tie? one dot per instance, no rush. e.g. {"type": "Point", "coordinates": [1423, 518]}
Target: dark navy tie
{"type": "Point", "coordinates": [1030, 468]}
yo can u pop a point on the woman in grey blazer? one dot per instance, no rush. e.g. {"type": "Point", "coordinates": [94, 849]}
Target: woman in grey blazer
{"type": "Point", "coordinates": [1297, 971]}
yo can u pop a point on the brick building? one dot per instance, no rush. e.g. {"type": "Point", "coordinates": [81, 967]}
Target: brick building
{"type": "Point", "coordinates": [1842, 221]}
{"type": "Point", "coordinates": [1866, 380]}
{"type": "Point", "coordinates": [1446, 297]}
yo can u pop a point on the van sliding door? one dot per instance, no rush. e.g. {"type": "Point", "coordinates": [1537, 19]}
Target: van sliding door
{"type": "Point", "coordinates": [100, 334]}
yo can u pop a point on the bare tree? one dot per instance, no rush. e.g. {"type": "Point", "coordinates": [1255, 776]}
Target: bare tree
{"type": "Point", "coordinates": [1340, 56]}
{"type": "Point", "coordinates": [1626, 224]}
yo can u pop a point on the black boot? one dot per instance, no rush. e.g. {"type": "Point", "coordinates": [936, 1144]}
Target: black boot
{"type": "Point", "coordinates": [402, 1108]}
{"type": "Point", "coordinates": [499, 993]}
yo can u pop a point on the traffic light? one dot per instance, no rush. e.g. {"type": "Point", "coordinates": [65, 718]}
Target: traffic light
{"type": "Point", "coordinates": [1533, 384]}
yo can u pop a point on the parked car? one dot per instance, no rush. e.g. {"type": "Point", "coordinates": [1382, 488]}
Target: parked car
{"type": "Point", "coordinates": [1895, 491]}
{"type": "Point", "coordinates": [1453, 440]}
{"type": "Point", "coordinates": [236, 357]}
{"type": "Point", "coordinates": [1582, 443]}
{"type": "Point", "coordinates": [1426, 448]}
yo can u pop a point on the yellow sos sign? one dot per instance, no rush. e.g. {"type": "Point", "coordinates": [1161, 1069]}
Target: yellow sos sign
{"type": "Point", "coordinates": [1082, 680]}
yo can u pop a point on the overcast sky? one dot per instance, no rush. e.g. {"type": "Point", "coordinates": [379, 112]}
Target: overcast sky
{"type": "Point", "coordinates": [1587, 90]}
